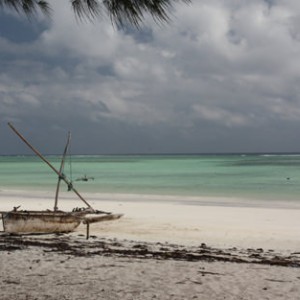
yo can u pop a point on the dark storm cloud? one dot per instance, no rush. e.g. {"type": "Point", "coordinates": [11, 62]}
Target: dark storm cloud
{"type": "Point", "coordinates": [222, 77]}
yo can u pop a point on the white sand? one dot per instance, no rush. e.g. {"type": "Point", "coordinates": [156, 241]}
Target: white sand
{"type": "Point", "coordinates": [36, 273]}
{"type": "Point", "coordinates": [226, 223]}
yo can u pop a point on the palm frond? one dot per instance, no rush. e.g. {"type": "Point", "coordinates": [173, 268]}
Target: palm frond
{"type": "Point", "coordinates": [119, 11]}
{"type": "Point", "coordinates": [86, 9]}
{"type": "Point", "coordinates": [134, 11]}
{"type": "Point", "coordinates": [29, 7]}
{"type": "Point", "coordinates": [45, 7]}
{"type": "Point", "coordinates": [13, 4]}
{"type": "Point", "coordinates": [123, 12]}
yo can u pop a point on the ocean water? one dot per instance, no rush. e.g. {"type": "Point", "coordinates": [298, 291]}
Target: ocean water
{"type": "Point", "coordinates": [265, 177]}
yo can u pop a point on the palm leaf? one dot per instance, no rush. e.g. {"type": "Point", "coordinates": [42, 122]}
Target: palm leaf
{"type": "Point", "coordinates": [119, 11]}
{"type": "Point", "coordinates": [29, 7]}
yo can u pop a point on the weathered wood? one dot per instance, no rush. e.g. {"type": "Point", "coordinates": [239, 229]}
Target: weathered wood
{"type": "Point", "coordinates": [68, 182]}
{"type": "Point", "coordinates": [26, 222]}
{"type": "Point", "coordinates": [102, 218]}
{"type": "Point", "coordinates": [40, 222]}
{"type": "Point", "coordinates": [61, 171]}
{"type": "Point", "coordinates": [87, 230]}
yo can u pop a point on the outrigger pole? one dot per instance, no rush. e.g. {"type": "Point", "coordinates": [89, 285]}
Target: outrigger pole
{"type": "Point", "coordinates": [61, 176]}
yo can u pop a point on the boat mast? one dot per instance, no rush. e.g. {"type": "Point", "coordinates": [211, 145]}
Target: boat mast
{"type": "Point", "coordinates": [60, 175]}
{"type": "Point", "coordinates": [61, 171]}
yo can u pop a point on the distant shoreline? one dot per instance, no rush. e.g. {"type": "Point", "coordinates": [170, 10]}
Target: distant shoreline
{"type": "Point", "coordinates": [163, 154]}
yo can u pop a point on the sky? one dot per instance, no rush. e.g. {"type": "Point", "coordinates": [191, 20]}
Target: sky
{"type": "Point", "coordinates": [221, 77]}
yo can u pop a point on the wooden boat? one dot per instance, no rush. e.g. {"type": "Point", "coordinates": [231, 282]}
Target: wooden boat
{"type": "Point", "coordinates": [52, 221]}
{"type": "Point", "coordinates": [39, 222]}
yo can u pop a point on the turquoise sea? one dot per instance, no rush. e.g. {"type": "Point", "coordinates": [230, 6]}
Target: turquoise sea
{"type": "Point", "coordinates": [265, 177]}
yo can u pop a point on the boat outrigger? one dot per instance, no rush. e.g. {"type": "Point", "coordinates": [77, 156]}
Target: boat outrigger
{"type": "Point", "coordinates": [52, 221]}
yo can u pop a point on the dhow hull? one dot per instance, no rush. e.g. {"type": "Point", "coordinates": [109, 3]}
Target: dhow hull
{"type": "Point", "coordinates": [22, 222]}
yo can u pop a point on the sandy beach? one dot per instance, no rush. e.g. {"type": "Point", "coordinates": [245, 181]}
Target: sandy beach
{"type": "Point", "coordinates": [216, 249]}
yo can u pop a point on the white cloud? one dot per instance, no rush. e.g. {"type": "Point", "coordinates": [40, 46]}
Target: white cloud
{"type": "Point", "coordinates": [219, 115]}
{"type": "Point", "coordinates": [218, 64]}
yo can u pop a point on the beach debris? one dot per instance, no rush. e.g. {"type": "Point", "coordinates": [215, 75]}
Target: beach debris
{"type": "Point", "coordinates": [142, 250]}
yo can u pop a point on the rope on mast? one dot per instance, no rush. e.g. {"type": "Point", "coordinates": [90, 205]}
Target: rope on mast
{"type": "Point", "coordinates": [69, 184]}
